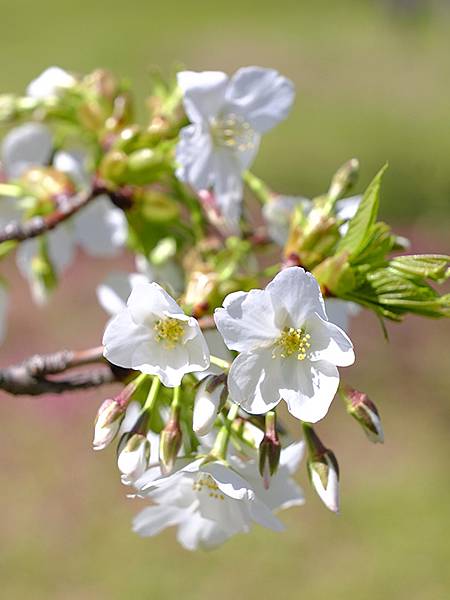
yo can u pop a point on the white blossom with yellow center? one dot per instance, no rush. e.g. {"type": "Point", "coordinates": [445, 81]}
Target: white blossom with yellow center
{"type": "Point", "coordinates": [208, 502]}
{"type": "Point", "coordinates": [288, 348]}
{"type": "Point", "coordinates": [228, 116]}
{"type": "Point", "coordinates": [153, 335]}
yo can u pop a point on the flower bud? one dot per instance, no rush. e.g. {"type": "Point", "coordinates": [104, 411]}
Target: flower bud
{"type": "Point", "coordinates": [269, 450]}
{"type": "Point", "coordinates": [107, 423]}
{"type": "Point", "coordinates": [144, 166]}
{"type": "Point", "coordinates": [8, 108]}
{"type": "Point", "coordinates": [133, 458]}
{"type": "Point", "coordinates": [46, 183]}
{"type": "Point", "coordinates": [209, 400]}
{"type": "Point", "coordinates": [323, 470]}
{"type": "Point", "coordinates": [365, 412]}
{"type": "Point", "coordinates": [170, 443]}
{"type": "Point", "coordinates": [344, 178]}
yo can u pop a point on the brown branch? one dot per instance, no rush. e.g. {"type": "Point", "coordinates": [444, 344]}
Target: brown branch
{"type": "Point", "coordinates": [19, 232]}
{"type": "Point", "coordinates": [31, 377]}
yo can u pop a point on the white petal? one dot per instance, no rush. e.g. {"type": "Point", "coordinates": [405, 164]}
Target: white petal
{"type": "Point", "coordinates": [330, 494]}
{"type": "Point", "coordinates": [50, 83]}
{"type": "Point", "coordinates": [206, 405]}
{"type": "Point", "coordinates": [228, 481]}
{"type": "Point", "coordinates": [292, 455]}
{"type": "Point", "coordinates": [262, 96]}
{"type": "Point", "coordinates": [126, 344]}
{"type": "Point", "coordinates": [346, 210]}
{"type": "Point", "coordinates": [61, 247]}
{"type": "Point", "coordinates": [101, 228]}
{"type": "Point", "coordinates": [148, 301]}
{"type": "Point", "coordinates": [194, 157]}
{"type": "Point", "coordinates": [247, 320]}
{"type": "Point", "coordinates": [72, 164]}
{"type": "Point", "coordinates": [113, 293]}
{"type": "Point", "coordinates": [228, 187]}
{"type": "Point", "coordinates": [26, 146]}
{"type": "Point", "coordinates": [153, 519]}
{"type": "Point", "coordinates": [308, 389]}
{"type": "Point", "coordinates": [329, 343]}
{"type": "Point", "coordinates": [278, 212]}
{"type": "Point", "coordinates": [295, 295]}
{"type": "Point", "coordinates": [252, 382]}
{"type": "Point", "coordinates": [262, 515]}
{"type": "Point", "coordinates": [203, 93]}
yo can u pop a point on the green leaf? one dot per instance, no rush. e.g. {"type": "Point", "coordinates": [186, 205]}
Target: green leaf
{"type": "Point", "coordinates": [360, 226]}
{"type": "Point", "coordinates": [430, 266]}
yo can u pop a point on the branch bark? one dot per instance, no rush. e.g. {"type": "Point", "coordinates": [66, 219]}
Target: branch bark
{"type": "Point", "coordinates": [33, 376]}
{"type": "Point", "coordinates": [19, 232]}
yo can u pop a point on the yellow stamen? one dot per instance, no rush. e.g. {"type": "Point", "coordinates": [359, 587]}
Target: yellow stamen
{"type": "Point", "coordinates": [292, 341]}
{"type": "Point", "coordinates": [208, 484]}
{"type": "Point", "coordinates": [232, 131]}
{"type": "Point", "coordinates": [169, 331]}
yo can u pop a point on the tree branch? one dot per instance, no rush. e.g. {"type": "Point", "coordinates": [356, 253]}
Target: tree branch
{"type": "Point", "coordinates": [33, 376]}
{"type": "Point", "coordinates": [19, 232]}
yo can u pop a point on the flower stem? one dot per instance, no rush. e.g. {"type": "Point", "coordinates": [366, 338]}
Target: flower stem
{"type": "Point", "coordinates": [219, 362]}
{"type": "Point", "coordinates": [219, 450]}
{"type": "Point", "coordinates": [152, 394]}
{"type": "Point", "coordinates": [258, 187]}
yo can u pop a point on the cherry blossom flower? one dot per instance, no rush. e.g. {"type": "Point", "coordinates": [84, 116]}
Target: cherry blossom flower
{"type": "Point", "coordinates": [50, 83]}
{"type": "Point", "coordinates": [288, 348]}
{"type": "Point", "coordinates": [153, 335]}
{"type": "Point", "coordinates": [228, 116]}
{"type": "Point", "coordinates": [208, 502]}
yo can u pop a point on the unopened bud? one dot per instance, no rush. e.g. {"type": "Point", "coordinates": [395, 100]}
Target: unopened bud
{"type": "Point", "coordinates": [8, 108]}
{"type": "Point", "coordinates": [323, 470]}
{"type": "Point", "coordinates": [344, 178]}
{"type": "Point", "coordinates": [107, 423]}
{"type": "Point", "coordinates": [113, 166]}
{"type": "Point", "coordinates": [144, 166]}
{"type": "Point", "coordinates": [209, 401]}
{"type": "Point", "coordinates": [365, 412]}
{"type": "Point", "coordinates": [269, 450]}
{"type": "Point", "coordinates": [46, 183]}
{"type": "Point", "coordinates": [133, 458]}
{"type": "Point", "coordinates": [170, 443]}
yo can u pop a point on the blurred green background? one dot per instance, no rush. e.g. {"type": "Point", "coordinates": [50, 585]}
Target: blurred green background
{"type": "Point", "coordinates": [373, 81]}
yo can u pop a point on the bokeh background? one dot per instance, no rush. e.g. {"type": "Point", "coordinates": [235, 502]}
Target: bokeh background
{"type": "Point", "coordinates": [373, 81]}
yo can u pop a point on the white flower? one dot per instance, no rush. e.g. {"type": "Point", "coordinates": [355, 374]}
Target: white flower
{"type": "Point", "coordinates": [206, 405]}
{"type": "Point", "coordinates": [228, 116]}
{"type": "Point", "coordinates": [153, 335]}
{"type": "Point", "coordinates": [209, 502]}
{"type": "Point", "coordinates": [50, 83]}
{"type": "Point", "coordinates": [279, 210]}
{"type": "Point", "coordinates": [288, 348]}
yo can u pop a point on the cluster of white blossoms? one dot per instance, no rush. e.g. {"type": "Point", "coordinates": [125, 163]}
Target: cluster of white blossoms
{"type": "Point", "coordinates": [288, 350]}
{"type": "Point", "coordinates": [208, 358]}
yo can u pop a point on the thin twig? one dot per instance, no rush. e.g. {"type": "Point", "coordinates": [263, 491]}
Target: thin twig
{"type": "Point", "coordinates": [19, 232]}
